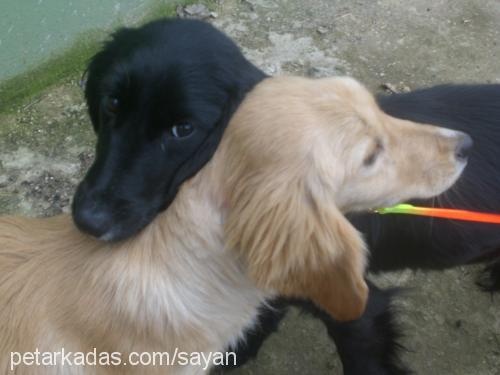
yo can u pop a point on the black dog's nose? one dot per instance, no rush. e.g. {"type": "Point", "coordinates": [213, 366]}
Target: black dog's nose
{"type": "Point", "coordinates": [464, 147]}
{"type": "Point", "coordinates": [91, 219]}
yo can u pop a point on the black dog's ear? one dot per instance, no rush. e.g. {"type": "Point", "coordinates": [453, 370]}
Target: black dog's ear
{"type": "Point", "coordinates": [99, 65]}
{"type": "Point", "coordinates": [207, 148]}
{"type": "Point", "coordinates": [237, 82]}
{"type": "Point", "coordinates": [92, 96]}
{"type": "Point", "coordinates": [83, 79]}
{"type": "Point", "coordinates": [199, 157]}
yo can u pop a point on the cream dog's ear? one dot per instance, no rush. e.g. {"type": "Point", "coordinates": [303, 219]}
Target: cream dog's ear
{"type": "Point", "coordinates": [296, 242]}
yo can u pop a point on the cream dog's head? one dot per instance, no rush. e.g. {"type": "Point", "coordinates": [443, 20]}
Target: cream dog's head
{"type": "Point", "coordinates": [297, 155]}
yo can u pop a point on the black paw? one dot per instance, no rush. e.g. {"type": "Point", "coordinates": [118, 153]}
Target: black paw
{"type": "Point", "coordinates": [370, 345]}
{"type": "Point", "coordinates": [267, 323]}
{"type": "Point", "coordinates": [489, 281]}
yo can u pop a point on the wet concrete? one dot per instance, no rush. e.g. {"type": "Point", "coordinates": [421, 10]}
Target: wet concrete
{"type": "Point", "coordinates": [451, 327]}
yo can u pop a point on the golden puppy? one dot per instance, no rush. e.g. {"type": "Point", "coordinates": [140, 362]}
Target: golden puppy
{"type": "Point", "coordinates": [264, 216]}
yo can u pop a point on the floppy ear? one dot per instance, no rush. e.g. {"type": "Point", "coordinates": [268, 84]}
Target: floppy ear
{"type": "Point", "coordinates": [295, 241]}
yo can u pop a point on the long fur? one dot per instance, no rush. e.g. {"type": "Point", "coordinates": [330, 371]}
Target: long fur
{"type": "Point", "coordinates": [195, 277]}
{"type": "Point", "coordinates": [287, 218]}
{"type": "Point", "coordinates": [172, 286]}
{"type": "Point", "coordinates": [181, 70]}
{"type": "Point", "coordinates": [417, 242]}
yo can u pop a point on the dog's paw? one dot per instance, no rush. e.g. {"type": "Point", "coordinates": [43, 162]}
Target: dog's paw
{"type": "Point", "coordinates": [489, 280]}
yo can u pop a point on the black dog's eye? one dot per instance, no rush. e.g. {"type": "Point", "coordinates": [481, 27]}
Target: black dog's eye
{"type": "Point", "coordinates": [112, 104]}
{"type": "Point", "coordinates": [181, 130]}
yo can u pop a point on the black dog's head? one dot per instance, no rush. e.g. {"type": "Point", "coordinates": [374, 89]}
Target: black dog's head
{"type": "Point", "coordinates": [159, 98]}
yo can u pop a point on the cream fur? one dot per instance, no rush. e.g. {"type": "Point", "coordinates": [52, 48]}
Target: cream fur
{"type": "Point", "coordinates": [264, 216]}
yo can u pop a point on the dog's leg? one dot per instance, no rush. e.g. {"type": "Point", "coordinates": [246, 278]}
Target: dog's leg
{"type": "Point", "coordinates": [490, 278]}
{"type": "Point", "coordinates": [266, 324]}
{"type": "Point", "coordinates": [369, 345]}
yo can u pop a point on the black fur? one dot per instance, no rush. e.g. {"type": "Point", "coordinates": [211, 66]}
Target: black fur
{"type": "Point", "coordinates": [173, 72]}
{"type": "Point", "coordinates": [370, 345]}
{"type": "Point", "coordinates": [144, 84]}
{"type": "Point", "coordinates": [490, 280]}
{"type": "Point", "coordinates": [367, 346]}
{"type": "Point", "coordinates": [270, 316]}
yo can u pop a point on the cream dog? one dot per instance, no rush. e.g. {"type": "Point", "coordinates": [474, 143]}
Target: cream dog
{"type": "Point", "coordinates": [264, 216]}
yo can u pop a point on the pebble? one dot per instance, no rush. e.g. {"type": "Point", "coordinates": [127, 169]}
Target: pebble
{"type": "Point", "coordinates": [195, 11]}
{"type": "Point", "coordinates": [322, 30]}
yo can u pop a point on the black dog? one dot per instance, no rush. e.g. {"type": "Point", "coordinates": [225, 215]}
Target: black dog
{"type": "Point", "coordinates": [159, 98]}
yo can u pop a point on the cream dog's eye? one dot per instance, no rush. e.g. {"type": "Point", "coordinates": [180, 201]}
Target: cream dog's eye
{"type": "Point", "coordinates": [370, 160]}
{"type": "Point", "coordinates": [181, 130]}
{"type": "Point", "coordinates": [373, 155]}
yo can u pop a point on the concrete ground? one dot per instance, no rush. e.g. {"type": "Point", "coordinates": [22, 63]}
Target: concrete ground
{"type": "Point", "coordinates": [450, 326]}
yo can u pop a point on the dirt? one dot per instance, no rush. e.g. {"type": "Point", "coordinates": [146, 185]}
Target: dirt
{"type": "Point", "coordinates": [450, 326]}
{"type": "Point", "coordinates": [45, 147]}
